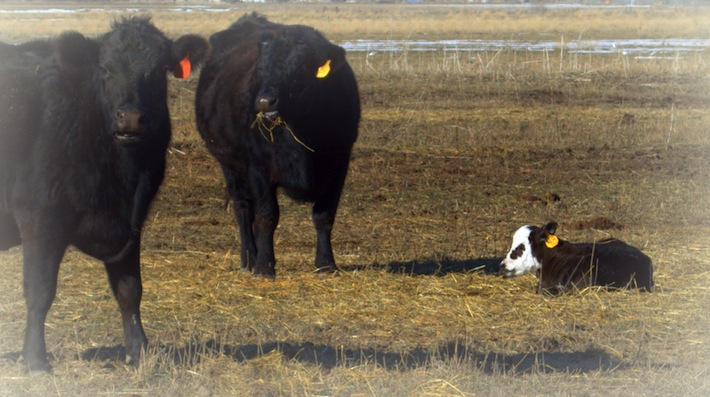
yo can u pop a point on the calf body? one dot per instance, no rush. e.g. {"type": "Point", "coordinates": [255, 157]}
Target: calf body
{"type": "Point", "coordinates": [561, 265]}
{"type": "Point", "coordinates": [84, 126]}
{"type": "Point", "coordinates": [278, 107]}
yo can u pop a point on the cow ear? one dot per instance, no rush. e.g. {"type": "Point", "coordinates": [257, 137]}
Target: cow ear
{"type": "Point", "coordinates": [188, 52]}
{"type": "Point", "coordinates": [336, 59]}
{"type": "Point", "coordinates": [74, 52]}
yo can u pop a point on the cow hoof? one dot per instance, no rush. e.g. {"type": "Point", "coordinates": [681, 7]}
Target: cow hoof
{"type": "Point", "coordinates": [40, 369]}
{"type": "Point", "coordinates": [36, 367]}
{"type": "Point", "coordinates": [39, 372]}
{"type": "Point", "coordinates": [330, 269]}
{"type": "Point", "coordinates": [268, 276]}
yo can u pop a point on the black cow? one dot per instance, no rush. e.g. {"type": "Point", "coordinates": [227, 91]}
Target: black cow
{"type": "Point", "coordinates": [84, 128]}
{"type": "Point", "coordinates": [563, 266]}
{"type": "Point", "coordinates": [278, 106]}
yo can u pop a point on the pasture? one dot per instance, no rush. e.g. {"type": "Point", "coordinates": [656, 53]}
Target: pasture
{"type": "Point", "coordinates": [456, 151]}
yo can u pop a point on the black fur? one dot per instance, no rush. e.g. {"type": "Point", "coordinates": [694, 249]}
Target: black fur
{"type": "Point", "coordinates": [259, 66]}
{"type": "Point", "coordinates": [610, 263]}
{"type": "Point", "coordinates": [84, 126]}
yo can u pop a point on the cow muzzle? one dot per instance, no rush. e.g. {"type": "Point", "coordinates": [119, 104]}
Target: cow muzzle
{"type": "Point", "coordinates": [129, 126]}
{"type": "Point", "coordinates": [507, 270]}
{"type": "Point", "coordinates": [267, 106]}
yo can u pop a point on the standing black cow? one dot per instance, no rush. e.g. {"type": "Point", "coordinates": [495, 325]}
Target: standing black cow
{"type": "Point", "coordinates": [84, 127]}
{"type": "Point", "coordinates": [278, 106]}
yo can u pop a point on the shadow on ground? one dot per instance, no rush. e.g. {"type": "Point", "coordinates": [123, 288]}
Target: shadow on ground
{"type": "Point", "coordinates": [436, 267]}
{"type": "Point", "coordinates": [328, 357]}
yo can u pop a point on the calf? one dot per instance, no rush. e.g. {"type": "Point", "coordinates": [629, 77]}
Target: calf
{"type": "Point", "coordinates": [84, 128]}
{"type": "Point", "coordinates": [278, 107]}
{"type": "Point", "coordinates": [563, 266]}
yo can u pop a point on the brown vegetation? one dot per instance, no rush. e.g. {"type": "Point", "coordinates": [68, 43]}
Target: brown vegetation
{"type": "Point", "coordinates": [445, 154]}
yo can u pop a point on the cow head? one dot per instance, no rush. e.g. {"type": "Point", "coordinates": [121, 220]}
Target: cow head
{"type": "Point", "coordinates": [524, 255]}
{"type": "Point", "coordinates": [295, 61]}
{"type": "Point", "coordinates": [131, 63]}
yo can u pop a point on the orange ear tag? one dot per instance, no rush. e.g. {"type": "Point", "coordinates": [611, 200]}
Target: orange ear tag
{"type": "Point", "coordinates": [182, 70]}
{"type": "Point", "coordinates": [323, 70]}
{"type": "Point", "coordinates": [551, 241]}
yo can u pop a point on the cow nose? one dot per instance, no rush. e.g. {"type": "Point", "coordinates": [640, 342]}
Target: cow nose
{"type": "Point", "coordinates": [128, 119]}
{"type": "Point", "coordinates": [267, 103]}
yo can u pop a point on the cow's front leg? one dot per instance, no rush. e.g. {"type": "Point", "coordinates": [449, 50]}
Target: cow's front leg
{"type": "Point", "coordinates": [323, 220]}
{"type": "Point", "coordinates": [125, 279]}
{"type": "Point", "coordinates": [265, 221]}
{"type": "Point", "coordinates": [41, 259]}
{"type": "Point", "coordinates": [324, 210]}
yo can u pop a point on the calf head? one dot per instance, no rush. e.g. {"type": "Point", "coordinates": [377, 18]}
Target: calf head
{"type": "Point", "coordinates": [131, 63]}
{"type": "Point", "coordinates": [294, 62]}
{"type": "Point", "coordinates": [526, 252]}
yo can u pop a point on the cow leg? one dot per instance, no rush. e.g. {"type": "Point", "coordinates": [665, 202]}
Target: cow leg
{"type": "Point", "coordinates": [323, 215]}
{"type": "Point", "coordinates": [265, 221]}
{"type": "Point", "coordinates": [125, 279]}
{"type": "Point", "coordinates": [244, 214]}
{"type": "Point", "coordinates": [41, 259]}
{"type": "Point", "coordinates": [323, 219]}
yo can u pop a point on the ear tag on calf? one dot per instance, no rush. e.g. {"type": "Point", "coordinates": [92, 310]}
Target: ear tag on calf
{"type": "Point", "coordinates": [182, 69]}
{"type": "Point", "coordinates": [323, 70]}
{"type": "Point", "coordinates": [551, 241]}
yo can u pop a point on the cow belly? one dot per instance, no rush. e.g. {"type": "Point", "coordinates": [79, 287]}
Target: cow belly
{"type": "Point", "coordinates": [101, 235]}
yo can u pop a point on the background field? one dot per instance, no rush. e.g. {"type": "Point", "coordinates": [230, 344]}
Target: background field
{"type": "Point", "coordinates": [456, 151]}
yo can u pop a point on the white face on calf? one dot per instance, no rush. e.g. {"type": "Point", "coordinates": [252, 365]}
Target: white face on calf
{"type": "Point", "coordinates": [520, 259]}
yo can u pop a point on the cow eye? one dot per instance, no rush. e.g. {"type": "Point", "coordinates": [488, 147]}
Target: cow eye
{"type": "Point", "coordinates": [105, 72]}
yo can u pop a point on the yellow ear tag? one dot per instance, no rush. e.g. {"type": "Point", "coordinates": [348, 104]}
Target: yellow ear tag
{"type": "Point", "coordinates": [323, 70]}
{"type": "Point", "coordinates": [552, 241]}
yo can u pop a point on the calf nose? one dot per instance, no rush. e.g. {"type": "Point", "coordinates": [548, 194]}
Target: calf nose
{"type": "Point", "coordinates": [129, 119]}
{"type": "Point", "coordinates": [267, 103]}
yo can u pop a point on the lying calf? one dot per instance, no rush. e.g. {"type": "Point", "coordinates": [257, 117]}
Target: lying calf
{"type": "Point", "coordinates": [563, 266]}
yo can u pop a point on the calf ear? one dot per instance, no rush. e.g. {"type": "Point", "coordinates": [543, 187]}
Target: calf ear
{"type": "Point", "coordinates": [551, 228]}
{"type": "Point", "coordinates": [188, 52]}
{"type": "Point", "coordinates": [74, 52]}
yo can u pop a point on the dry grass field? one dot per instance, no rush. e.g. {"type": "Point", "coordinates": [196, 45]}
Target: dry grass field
{"type": "Point", "coordinates": [455, 153]}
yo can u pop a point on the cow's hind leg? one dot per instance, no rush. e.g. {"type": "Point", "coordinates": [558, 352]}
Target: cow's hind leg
{"type": "Point", "coordinates": [244, 215]}
{"type": "Point", "coordinates": [41, 257]}
{"type": "Point", "coordinates": [125, 279]}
